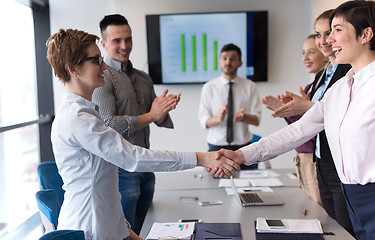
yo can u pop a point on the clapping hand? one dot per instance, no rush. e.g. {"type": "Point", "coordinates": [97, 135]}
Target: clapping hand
{"type": "Point", "coordinates": [272, 102]}
{"type": "Point", "coordinates": [297, 106]}
{"type": "Point", "coordinates": [222, 113]}
{"type": "Point", "coordinates": [240, 115]}
{"type": "Point", "coordinates": [162, 105]}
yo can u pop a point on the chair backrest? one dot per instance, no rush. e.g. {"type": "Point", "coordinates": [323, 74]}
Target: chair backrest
{"type": "Point", "coordinates": [64, 235]}
{"type": "Point", "coordinates": [49, 208]}
{"type": "Point", "coordinates": [50, 178]}
{"type": "Point", "coordinates": [256, 138]}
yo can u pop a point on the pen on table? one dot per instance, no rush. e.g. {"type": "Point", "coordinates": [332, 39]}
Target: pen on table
{"type": "Point", "coordinates": [304, 212]}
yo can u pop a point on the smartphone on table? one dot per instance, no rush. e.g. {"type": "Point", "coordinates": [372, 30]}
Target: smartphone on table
{"type": "Point", "coordinates": [275, 223]}
{"type": "Point", "coordinates": [196, 220]}
{"type": "Point", "coordinates": [209, 203]}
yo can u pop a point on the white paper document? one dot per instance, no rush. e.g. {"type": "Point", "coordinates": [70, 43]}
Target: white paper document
{"type": "Point", "coordinates": [292, 175]}
{"type": "Point", "coordinates": [258, 174]}
{"type": "Point", "coordinates": [253, 174]}
{"type": "Point", "coordinates": [266, 182]}
{"type": "Point", "coordinates": [248, 189]}
{"type": "Point", "coordinates": [171, 231]}
{"type": "Point", "coordinates": [238, 182]}
{"type": "Point", "coordinates": [272, 173]}
{"type": "Point", "coordinates": [291, 226]}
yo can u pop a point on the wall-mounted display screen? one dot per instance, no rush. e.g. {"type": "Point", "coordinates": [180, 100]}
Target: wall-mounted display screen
{"type": "Point", "coordinates": [185, 48]}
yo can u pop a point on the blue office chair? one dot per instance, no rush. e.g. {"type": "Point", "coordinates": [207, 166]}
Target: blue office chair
{"type": "Point", "coordinates": [64, 235]}
{"type": "Point", "coordinates": [256, 138]}
{"type": "Point", "coordinates": [49, 208]}
{"type": "Point", "coordinates": [50, 178]}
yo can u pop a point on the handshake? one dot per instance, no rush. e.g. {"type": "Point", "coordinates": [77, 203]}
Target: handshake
{"type": "Point", "coordinates": [221, 164]}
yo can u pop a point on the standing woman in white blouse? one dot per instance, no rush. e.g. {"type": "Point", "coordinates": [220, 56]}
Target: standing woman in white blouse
{"type": "Point", "coordinates": [346, 112]}
{"type": "Point", "coordinates": [88, 153]}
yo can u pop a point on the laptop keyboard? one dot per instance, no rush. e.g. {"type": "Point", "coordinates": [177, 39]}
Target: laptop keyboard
{"type": "Point", "coordinates": [251, 198]}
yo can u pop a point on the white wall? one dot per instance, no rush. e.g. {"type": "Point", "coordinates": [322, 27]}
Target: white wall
{"type": "Point", "coordinates": [322, 5]}
{"type": "Point", "coordinates": [290, 21]}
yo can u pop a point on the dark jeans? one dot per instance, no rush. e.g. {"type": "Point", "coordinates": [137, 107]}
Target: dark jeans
{"type": "Point", "coordinates": [360, 200]}
{"type": "Point", "coordinates": [137, 191]}
{"type": "Point", "coordinates": [333, 199]}
{"type": "Point", "coordinates": [212, 148]}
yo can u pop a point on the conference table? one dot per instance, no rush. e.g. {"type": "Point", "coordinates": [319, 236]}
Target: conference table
{"type": "Point", "coordinates": [200, 179]}
{"type": "Point", "coordinates": [168, 207]}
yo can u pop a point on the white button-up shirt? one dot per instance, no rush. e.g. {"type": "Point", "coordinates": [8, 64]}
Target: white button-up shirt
{"type": "Point", "coordinates": [214, 96]}
{"type": "Point", "coordinates": [88, 154]}
{"type": "Point", "coordinates": [347, 113]}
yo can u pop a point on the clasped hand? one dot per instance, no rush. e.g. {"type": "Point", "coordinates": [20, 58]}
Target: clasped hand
{"type": "Point", "coordinates": [221, 164]}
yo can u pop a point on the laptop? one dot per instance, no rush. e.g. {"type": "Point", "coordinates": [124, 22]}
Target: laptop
{"type": "Point", "coordinates": [256, 198]}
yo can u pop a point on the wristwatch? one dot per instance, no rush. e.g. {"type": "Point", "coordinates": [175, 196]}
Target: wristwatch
{"type": "Point", "coordinates": [244, 117]}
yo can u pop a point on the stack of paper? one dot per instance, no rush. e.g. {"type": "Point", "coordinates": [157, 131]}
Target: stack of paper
{"type": "Point", "coordinates": [171, 231]}
{"type": "Point", "coordinates": [291, 226]}
{"type": "Point", "coordinates": [266, 182]}
{"type": "Point", "coordinates": [237, 182]}
{"type": "Point", "coordinates": [253, 174]}
{"type": "Point", "coordinates": [258, 174]}
{"type": "Point", "coordinates": [255, 182]}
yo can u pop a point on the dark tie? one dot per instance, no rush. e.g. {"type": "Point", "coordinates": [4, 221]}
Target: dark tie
{"type": "Point", "coordinates": [230, 115]}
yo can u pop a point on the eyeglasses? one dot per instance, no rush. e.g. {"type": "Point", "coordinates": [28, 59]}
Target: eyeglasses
{"type": "Point", "coordinates": [98, 60]}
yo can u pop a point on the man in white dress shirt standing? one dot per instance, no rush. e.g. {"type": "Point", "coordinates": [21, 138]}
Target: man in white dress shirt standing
{"type": "Point", "coordinates": [229, 104]}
